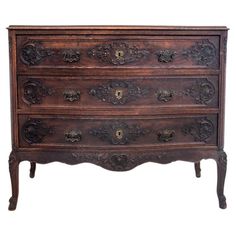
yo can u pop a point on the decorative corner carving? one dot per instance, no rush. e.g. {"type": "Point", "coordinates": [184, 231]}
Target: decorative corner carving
{"type": "Point", "coordinates": [118, 92]}
{"type": "Point", "coordinates": [117, 53]}
{"type": "Point", "coordinates": [12, 159]}
{"type": "Point", "coordinates": [165, 55]}
{"type": "Point", "coordinates": [222, 159]}
{"type": "Point", "coordinates": [71, 55]}
{"type": "Point", "coordinates": [203, 91]}
{"type": "Point", "coordinates": [203, 52]}
{"type": "Point", "coordinates": [201, 129]}
{"type": "Point", "coordinates": [32, 53]}
{"type": "Point", "coordinates": [34, 131]}
{"type": "Point", "coordinates": [119, 133]}
{"type": "Point", "coordinates": [35, 91]}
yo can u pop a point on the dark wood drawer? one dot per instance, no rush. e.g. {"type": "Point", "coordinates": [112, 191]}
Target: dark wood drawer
{"type": "Point", "coordinates": [65, 131]}
{"type": "Point", "coordinates": [117, 51]}
{"type": "Point", "coordinates": [112, 92]}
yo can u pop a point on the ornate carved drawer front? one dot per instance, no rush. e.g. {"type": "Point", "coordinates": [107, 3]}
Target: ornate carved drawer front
{"type": "Point", "coordinates": [110, 92]}
{"type": "Point", "coordinates": [87, 132]}
{"type": "Point", "coordinates": [117, 51]}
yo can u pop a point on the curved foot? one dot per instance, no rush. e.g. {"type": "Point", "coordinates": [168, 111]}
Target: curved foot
{"type": "Point", "coordinates": [197, 169]}
{"type": "Point", "coordinates": [221, 172]}
{"type": "Point", "coordinates": [14, 173]}
{"type": "Point", "coordinates": [12, 204]}
{"type": "Point", "coordinates": [222, 202]}
{"type": "Point", "coordinates": [32, 169]}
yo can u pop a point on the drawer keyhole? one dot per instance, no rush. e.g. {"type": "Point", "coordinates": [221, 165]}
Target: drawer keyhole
{"type": "Point", "coordinates": [119, 93]}
{"type": "Point", "coordinates": [119, 54]}
{"type": "Point", "coordinates": [119, 133]}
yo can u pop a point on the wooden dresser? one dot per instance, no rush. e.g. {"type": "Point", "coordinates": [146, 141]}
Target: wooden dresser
{"type": "Point", "coordinates": [117, 97]}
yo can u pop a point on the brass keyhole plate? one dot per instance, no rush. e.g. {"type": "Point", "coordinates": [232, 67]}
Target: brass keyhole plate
{"type": "Point", "coordinates": [119, 93]}
{"type": "Point", "coordinates": [119, 54]}
{"type": "Point", "coordinates": [119, 133]}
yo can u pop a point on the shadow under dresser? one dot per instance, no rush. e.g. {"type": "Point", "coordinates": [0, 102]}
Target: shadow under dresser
{"type": "Point", "coordinates": [117, 97]}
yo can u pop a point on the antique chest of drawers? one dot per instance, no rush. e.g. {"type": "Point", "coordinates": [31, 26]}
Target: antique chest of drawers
{"type": "Point", "coordinates": [117, 97]}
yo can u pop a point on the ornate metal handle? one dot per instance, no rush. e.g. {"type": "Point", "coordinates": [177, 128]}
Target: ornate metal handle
{"type": "Point", "coordinates": [71, 95]}
{"type": "Point", "coordinates": [165, 135]}
{"type": "Point", "coordinates": [165, 95]}
{"type": "Point", "coordinates": [73, 136]}
{"type": "Point", "coordinates": [165, 56]}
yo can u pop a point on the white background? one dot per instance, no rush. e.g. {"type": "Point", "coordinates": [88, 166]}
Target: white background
{"type": "Point", "coordinates": [85, 199]}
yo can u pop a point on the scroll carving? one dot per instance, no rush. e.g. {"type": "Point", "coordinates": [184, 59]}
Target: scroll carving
{"type": "Point", "coordinates": [202, 91]}
{"type": "Point", "coordinates": [32, 53]}
{"type": "Point", "coordinates": [201, 129]}
{"type": "Point", "coordinates": [203, 52]}
{"type": "Point", "coordinates": [121, 161]}
{"type": "Point", "coordinates": [34, 131]}
{"type": "Point", "coordinates": [35, 91]}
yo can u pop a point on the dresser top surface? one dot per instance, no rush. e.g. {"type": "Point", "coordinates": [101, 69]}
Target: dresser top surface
{"type": "Point", "coordinates": [113, 27]}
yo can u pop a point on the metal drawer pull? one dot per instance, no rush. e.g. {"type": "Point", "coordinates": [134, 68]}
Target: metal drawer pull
{"type": "Point", "coordinates": [165, 56]}
{"type": "Point", "coordinates": [71, 95]}
{"type": "Point", "coordinates": [165, 135]}
{"type": "Point", "coordinates": [73, 136]}
{"type": "Point", "coordinates": [164, 95]}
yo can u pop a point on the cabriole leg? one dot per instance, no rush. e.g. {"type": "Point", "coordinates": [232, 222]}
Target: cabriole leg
{"type": "Point", "coordinates": [32, 169]}
{"type": "Point", "coordinates": [14, 173]}
{"type": "Point", "coordinates": [221, 172]}
{"type": "Point", "coordinates": [197, 169]}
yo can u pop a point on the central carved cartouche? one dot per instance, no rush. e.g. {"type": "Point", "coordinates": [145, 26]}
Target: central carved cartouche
{"type": "Point", "coordinates": [119, 133]}
{"type": "Point", "coordinates": [117, 53]}
{"type": "Point", "coordinates": [118, 92]}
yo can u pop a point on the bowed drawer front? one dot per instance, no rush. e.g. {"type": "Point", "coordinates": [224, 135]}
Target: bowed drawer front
{"type": "Point", "coordinates": [133, 52]}
{"type": "Point", "coordinates": [112, 92]}
{"type": "Point", "coordinates": [117, 97]}
{"type": "Point", "coordinates": [65, 131]}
